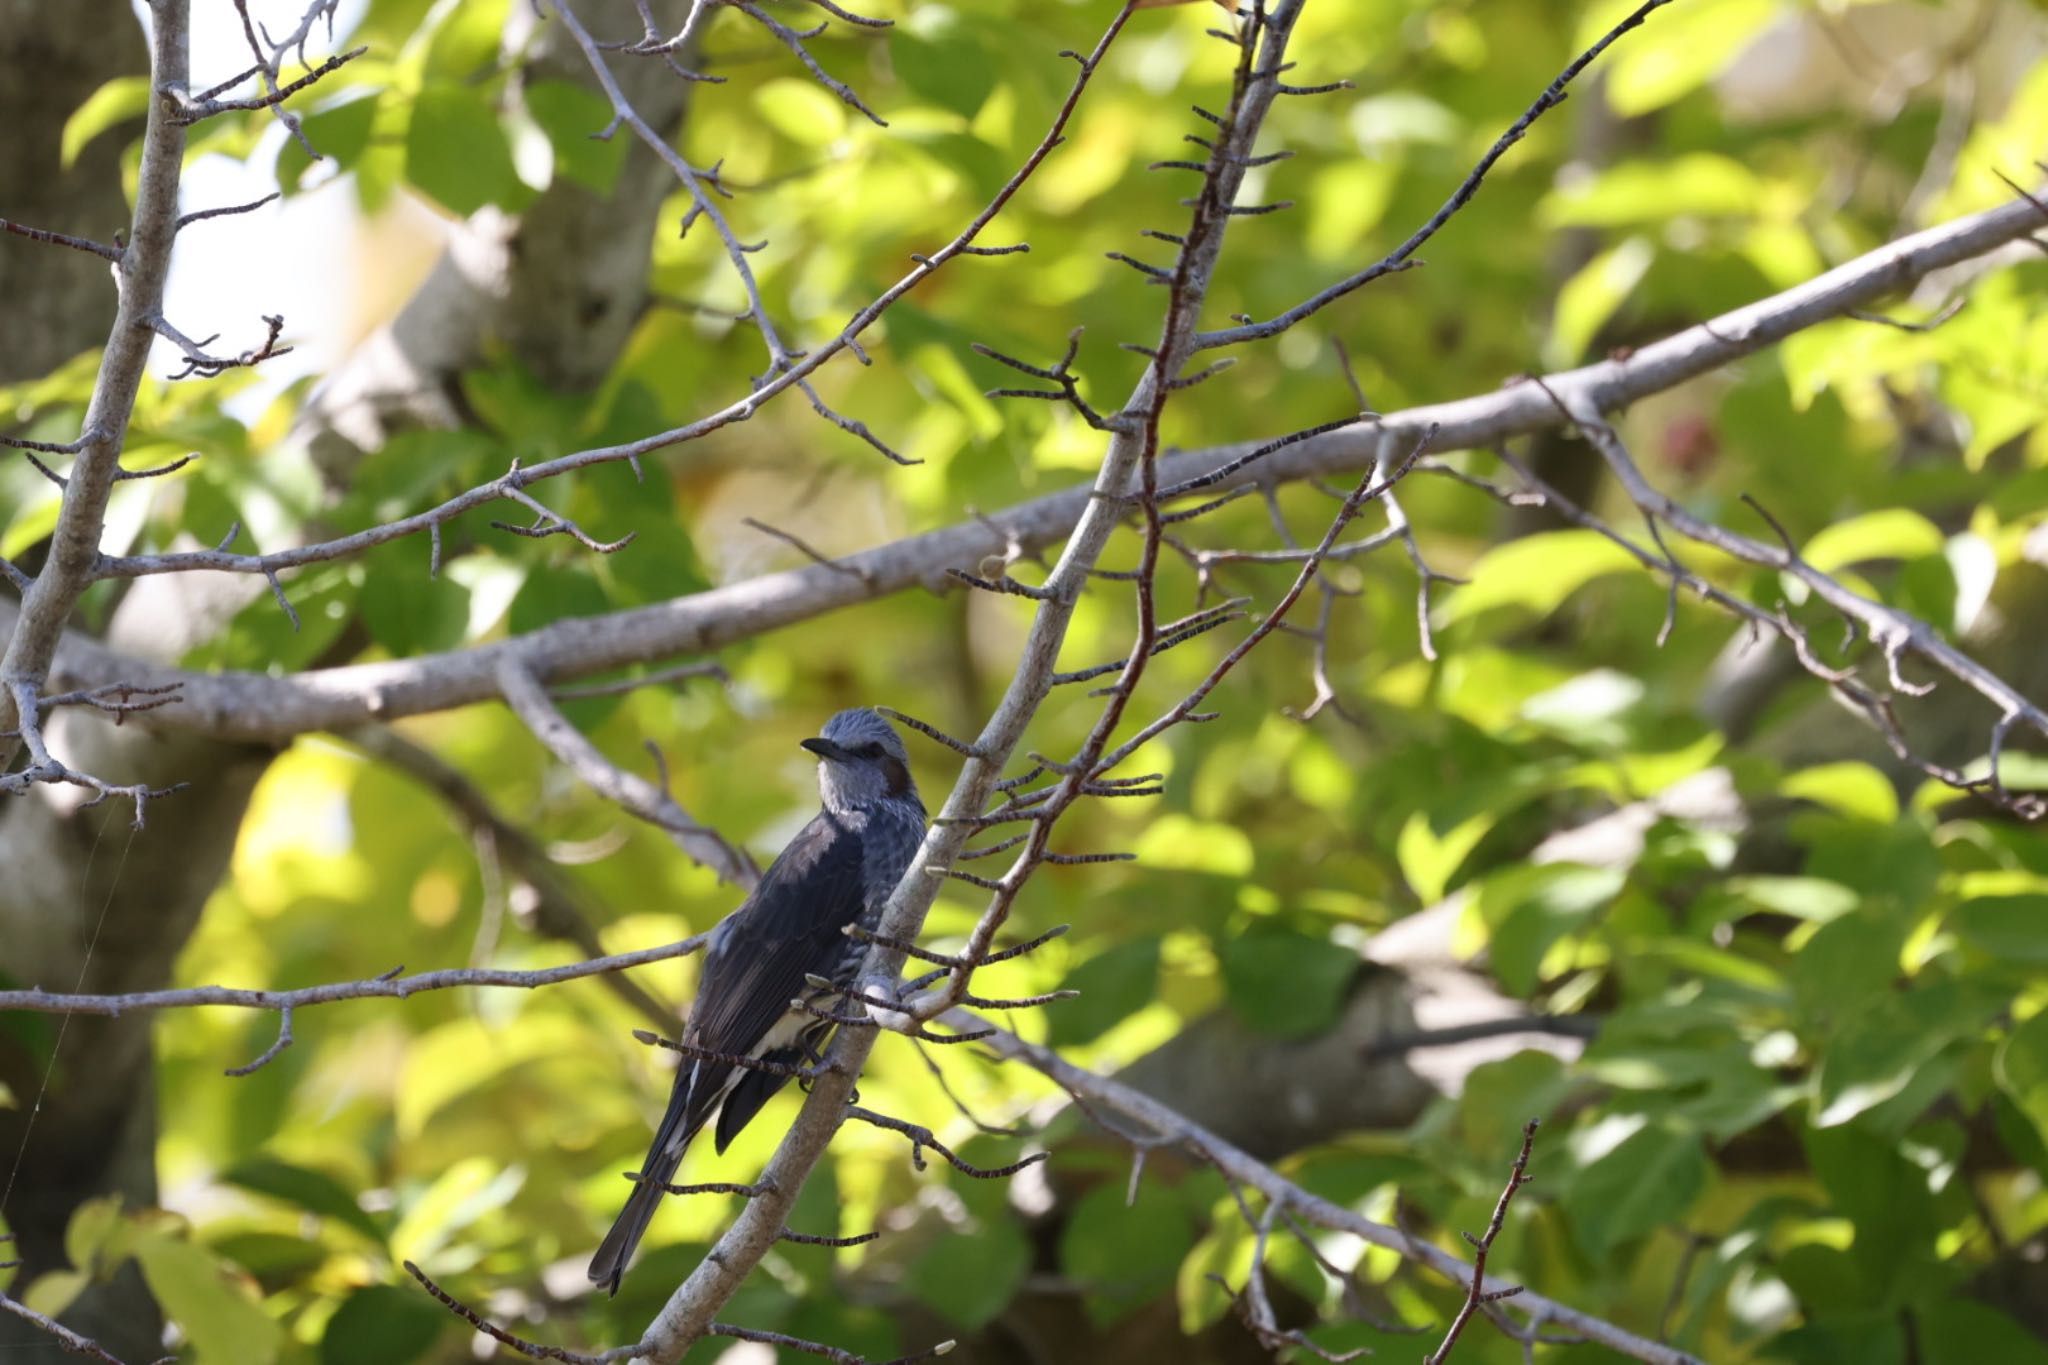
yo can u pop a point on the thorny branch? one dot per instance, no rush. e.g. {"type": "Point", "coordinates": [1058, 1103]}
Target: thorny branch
{"type": "Point", "coordinates": [535, 1350]}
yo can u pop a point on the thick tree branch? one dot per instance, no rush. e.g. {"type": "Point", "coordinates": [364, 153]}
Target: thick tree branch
{"type": "Point", "coordinates": [255, 706]}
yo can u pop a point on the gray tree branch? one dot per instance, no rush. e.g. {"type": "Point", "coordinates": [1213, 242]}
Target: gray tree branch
{"type": "Point", "coordinates": [1163, 1125]}
{"type": "Point", "coordinates": [257, 706]}
{"type": "Point", "coordinates": [74, 551]}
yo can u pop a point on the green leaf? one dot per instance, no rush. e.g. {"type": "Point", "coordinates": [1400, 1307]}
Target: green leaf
{"type": "Point", "coordinates": [2021, 1070]}
{"type": "Point", "coordinates": [572, 116]}
{"type": "Point", "coordinates": [1692, 44]}
{"type": "Point", "coordinates": [1869, 1181]}
{"type": "Point", "coordinates": [1648, 1179]}
{"type": "Point", "coordinates": [1188, 845]}
{"type": "Point", "coordinates": [340, 132]}
{"type": "Point", "coordinates": [1285, 984]}
{"type": "Point", "coordinates": [406, 610]}
{"type": "Point", "coordinates": [1867, 1338]}
{"type": "Point", "coordinates": [1807, 898]}
{"type": "Point", "coordinates": [1429, 860]}
{"type": "Point", "coordinates": [550, 594]}
{"type": "Point", "coordinates": [1879, 1050]}
{"type": "Point", "coordinates": [119, 100]}
{"type": "Point", "coordinates": [1114, 984]}
{"type": "Point", "coordinates": [1853, 789]}
{"type": "Point", "coordinates": [970, 1278]}
{"type": "Point", "coordinates": [1893, 533]}
{"type": "Point", "coordinates": [1124, 1255]}
{"type": "Point", "coordinates": [1697, 183]}
{"type": "Point", "coordinates": [1848, 960]}
{"type": "Point", "coordinates": [1499, 1097]}
{"type": "Point", "coordinates": [2009, 928]}
{"type": "Point", "coordinates": [1592, 296]}
{"type": "Point", "coordinates": [455, 151]}
{"type": "Point", "coordinates": [1531, 908]}
{"type": "Point", "coordinates": [381, 1324]}
{"type": "Point", "coordinates": [1896, 864]}
{"type": "Point", "coordinates": [314, 1191]}
{"type": "Point", "coordinates": [1536, 573]}
{"type": "Point", "coordinates": [224, 1322]}
{"type": "Point", "coordinates": [943, 61]}
{"type": "Point", "coordinates": [93, 1224]}
{"type": "Point", "coordinates": [802, 111]}
{"type": "Point", "coordinates": [466, 39]}
{"type": "Point", "coordinates": [1956, 1331]}
{"type": "Point", "coordinates": [276, 1259]}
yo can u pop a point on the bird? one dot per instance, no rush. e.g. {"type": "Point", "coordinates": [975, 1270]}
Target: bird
{"type": "Point", "coordinates": [837, 872]}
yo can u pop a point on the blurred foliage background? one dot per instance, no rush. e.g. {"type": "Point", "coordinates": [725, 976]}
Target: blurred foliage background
{"type": "Point", "coordinates": [1811, 1121]}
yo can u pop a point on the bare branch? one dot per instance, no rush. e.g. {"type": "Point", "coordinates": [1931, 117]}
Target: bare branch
{"type": "Point", "coordinates": [200, 362]}
{"type": "Point", "coordinates": [1401, 257]}
{"type": "Point", "coordinates": [193, 111]}
{"type": "Point", "coordinates": [390, 986]}
{"type": "Point", "coordinates": [1479, 1294]}
{"type": "Point", "coordinates": [1894, 632]}
{"type": "Point", "coordinates": [144, 264]}
{"type": "Point", "coordinates": [532, 1350]}
{"type": "Point", "coordinates": [84, 244]}
{"type": "Point", "coordinates": [202, 215]}
{"type": "Point", "coordinates": [525, 695]}
{"type": "Point", "coordinates": [66, 1338]}
{"type": "Point", "coordinates": [1160, 1125]}
{"type": "Point", "coordinates": [921, 1141]}
{"type": "Point", "coordinates": [803, 547]}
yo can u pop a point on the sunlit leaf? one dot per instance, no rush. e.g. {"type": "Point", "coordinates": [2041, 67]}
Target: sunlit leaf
{"type": "Point", "coordinates": [1648, 1179]}
{"type": "Point", "coordinates": [118, 101]}
{"type": "Point", "coordinates": [1537, 573]}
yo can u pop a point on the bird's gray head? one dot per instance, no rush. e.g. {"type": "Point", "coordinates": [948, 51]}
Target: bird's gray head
{"type": "Point", "coordinates": [862, 761]}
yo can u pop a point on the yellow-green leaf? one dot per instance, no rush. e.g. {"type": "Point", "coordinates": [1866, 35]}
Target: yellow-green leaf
{"type": "Point", "coordinates": [1537, 572]}
{"type": "Point", "coordinates": [120, 99]}
{"type": "Point", "coordinates": [1891, 533]}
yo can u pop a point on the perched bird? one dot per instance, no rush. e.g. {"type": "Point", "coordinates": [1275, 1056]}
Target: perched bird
{"type": "Point", "coordinates": [838, 871]}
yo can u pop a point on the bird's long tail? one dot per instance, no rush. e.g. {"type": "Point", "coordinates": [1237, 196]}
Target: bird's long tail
{"type": "Point", "coordinates": [671, 1140]}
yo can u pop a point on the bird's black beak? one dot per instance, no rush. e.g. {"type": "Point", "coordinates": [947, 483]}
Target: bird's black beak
{"type": "Point", "coordinates": [824, 748]}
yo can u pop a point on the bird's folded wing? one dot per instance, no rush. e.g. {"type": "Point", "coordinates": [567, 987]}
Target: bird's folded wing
{"type": "Point", "coordinates": [793, 925]}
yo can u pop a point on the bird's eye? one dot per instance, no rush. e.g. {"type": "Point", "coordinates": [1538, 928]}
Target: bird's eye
{"type": "Point", "coordinates": [869, 751]}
